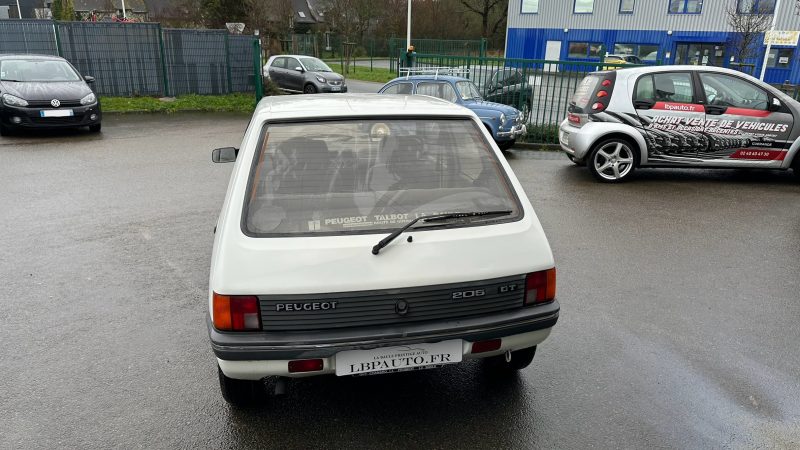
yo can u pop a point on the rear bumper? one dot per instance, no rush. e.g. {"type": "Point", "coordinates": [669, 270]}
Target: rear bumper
{"type": "Point", "coordinates": [256, 355]}
{"type": "Point", "coordinates": [31, 117]}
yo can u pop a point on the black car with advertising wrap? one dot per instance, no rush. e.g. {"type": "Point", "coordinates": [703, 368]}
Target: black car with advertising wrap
{"type": "Point", "coordinates": [38, 91]}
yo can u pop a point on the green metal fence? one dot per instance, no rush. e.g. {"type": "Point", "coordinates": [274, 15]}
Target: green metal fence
{"type": "Point", "coordinates": [129, 59]}
{"type": "Point", "coordinates": [541, 89]}
{"type": "Point", "coordinates": [451, 47]}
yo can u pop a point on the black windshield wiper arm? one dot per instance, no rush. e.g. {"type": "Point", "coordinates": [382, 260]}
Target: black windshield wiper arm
{"type": "Point", "coordinates": [434, 218]}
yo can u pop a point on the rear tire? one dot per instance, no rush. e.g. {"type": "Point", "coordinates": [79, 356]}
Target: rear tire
{"type": "Point", "coordinates": [505, 145]}
{"type": "Point", "coordinates": [95, 128]}
{"type": "Point", "coordinates": [520, 359]}
{"type": "Point", "coordinates": [612, 160]}
{"type": "Point", "coordinates": [309, 89]}
{"type": "Point", "coordinates": [240, 393]}
{"type": "Point", "coordinates": [4, 131]}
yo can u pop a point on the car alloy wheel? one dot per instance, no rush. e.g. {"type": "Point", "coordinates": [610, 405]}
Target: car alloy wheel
{"type": "Point", "coordinates": [612, 161]}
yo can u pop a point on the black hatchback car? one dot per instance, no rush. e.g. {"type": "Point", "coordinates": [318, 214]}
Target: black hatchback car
{"type": "Point", "coordinates": [38, 91]}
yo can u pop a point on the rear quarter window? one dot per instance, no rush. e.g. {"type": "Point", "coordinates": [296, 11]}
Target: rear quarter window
{"type": "Point", "coordinates": [583, 93]}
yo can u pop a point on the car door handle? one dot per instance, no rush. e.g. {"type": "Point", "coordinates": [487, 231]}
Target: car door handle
{"type": "Point", "coordinates": [716, 110]}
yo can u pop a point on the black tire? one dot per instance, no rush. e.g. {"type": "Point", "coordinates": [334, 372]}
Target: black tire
{"type": "Point", "coordinates": [526, 110]}
{"type": "Point", "coordinates": [4, 131]}
{"type": "Point", "coordinates": [576, 161]}
{"type": "Point", "coordinates": [95, 128]}
{"type": "Point", "coordinates": [505, 145]}
{"type": "Point", "coordinates": [520, 359]}
{"type": "Point", "coordinates": [309, 89]}
{"type": "Point", "coordinates": [240, 393]}
{"type": "Point", "coordinates": [613, 160]}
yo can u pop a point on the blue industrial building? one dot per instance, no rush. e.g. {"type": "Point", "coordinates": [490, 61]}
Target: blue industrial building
{"type": "Point", "coordinates": [658, 31]}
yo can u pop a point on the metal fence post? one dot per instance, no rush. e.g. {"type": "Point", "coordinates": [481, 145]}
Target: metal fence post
{"type": "Point", "coordinates": [259, 86]}
{"type": "Point", "coordinates": [58, 39]}
{"type": "Point", "coordinates": [163, 61]}
{"type": "Point", "coordinates": [228, 64]}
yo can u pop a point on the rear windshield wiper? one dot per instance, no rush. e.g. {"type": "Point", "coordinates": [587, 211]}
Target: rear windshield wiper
{"type": "Point", "coordinates": [435, 218]}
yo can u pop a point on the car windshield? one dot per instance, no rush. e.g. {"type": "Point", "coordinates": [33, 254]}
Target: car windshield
{"type": "Point", "coordinates": [468, 90]}
{"type": "Point", "coordinates": [27, 70]}
{"type": "Point", "coordinates": [351, 176]}
{"type": "Point", "coordinates": [315, 65]}
{"type": "Point", "coordinates": [481, 76]}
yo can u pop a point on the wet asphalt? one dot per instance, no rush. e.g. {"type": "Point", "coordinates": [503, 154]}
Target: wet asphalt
{"type": "Point", "coordinates": [679, 324]}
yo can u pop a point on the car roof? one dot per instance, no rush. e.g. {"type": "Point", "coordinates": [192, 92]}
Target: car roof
{"type": "Point", "coordinates": [674, 68]}
{"type": "Point", "coordinates": [30, 56]}
{"type": "Point", "coordinates": [328, 106]}
{"type": "Point", "coordinates": [295, 56]}
{"type": "Point", "coordinates": [431, 77]}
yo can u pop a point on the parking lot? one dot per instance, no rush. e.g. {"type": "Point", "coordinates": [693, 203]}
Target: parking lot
{"type": "Point", "coordinates": [678, 328]}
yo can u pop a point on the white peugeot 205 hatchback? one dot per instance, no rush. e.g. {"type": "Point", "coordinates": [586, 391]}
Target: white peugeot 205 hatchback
{"type": "Point", "coordinates": [679, 116]}
{"type": "Point", "coordinates": [365, 234]}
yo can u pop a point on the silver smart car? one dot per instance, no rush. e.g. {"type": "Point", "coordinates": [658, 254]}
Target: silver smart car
{"type": "Point", "coordinates": [679, 116]}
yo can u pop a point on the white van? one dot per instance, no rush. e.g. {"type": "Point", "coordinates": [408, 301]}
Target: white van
{"type": "Point", "coordinates": [365, 234]}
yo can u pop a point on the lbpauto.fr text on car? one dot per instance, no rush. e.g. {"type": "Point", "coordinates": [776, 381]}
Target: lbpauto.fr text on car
{"type": "Point", "coordinates": [365, 234]}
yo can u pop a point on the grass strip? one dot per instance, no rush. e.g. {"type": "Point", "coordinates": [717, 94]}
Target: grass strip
{"type": "Point", "coordinates": [362, 73]}
{"type": "Point", "coordinates": [243, 103]}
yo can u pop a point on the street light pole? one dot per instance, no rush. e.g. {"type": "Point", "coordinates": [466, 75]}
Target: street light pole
{"type": "Point", "coordinates": [408, 27]}
{"type": "Point", "coordinates": [19, 12]}
{"type": "Point", "coordinates": [124, 14]}
{"type": "Point", "coordinates": [769, 43]}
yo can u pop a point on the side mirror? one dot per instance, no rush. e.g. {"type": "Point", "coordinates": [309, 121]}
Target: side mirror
{"type": "Point", "coordinates": [775, 105]}
{"type": "Point", "coordinates": [88, 79]}
{"type": "Point", "coordinates": [299, 69]}
{"type": "Point", "coordinates": [224, 154]}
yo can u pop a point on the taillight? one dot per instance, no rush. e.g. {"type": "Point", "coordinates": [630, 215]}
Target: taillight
{"type": "Point", "coordinates": [486, 346]}
{"type": "Point", "coordinates": [574, 118]}
{"type": "Point", "coordinates": [236, 312]}
{"type": "Point", "coordinates": [606, 83]}
{"type": "Point", "coordinates": [540, 287]}
{"type": "Point", "coordinates": [305, 365]}
{"type": "Point", "coordinates": [598, 106]}
{"type": "Point", "coordinates": [601, 94]}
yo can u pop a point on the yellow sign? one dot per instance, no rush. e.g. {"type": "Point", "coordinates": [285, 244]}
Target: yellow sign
{"type": "Point", "coordinates": [782, 38]}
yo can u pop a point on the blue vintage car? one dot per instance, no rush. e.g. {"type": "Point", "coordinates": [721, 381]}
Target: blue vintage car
{"type": "Point", "coordinates": [504, 122]}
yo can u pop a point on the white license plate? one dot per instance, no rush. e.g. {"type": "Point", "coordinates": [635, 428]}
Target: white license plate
{"type": "Point", "coordinates": [56, 113]}
{"type": "Point", "coordinates": [398, 359]}
{"type": "Point", "coordinates": [336, 88]}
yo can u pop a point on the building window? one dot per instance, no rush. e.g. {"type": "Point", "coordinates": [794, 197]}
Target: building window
{"type": "Point", "coordinates": [585, 50]}
{"type": "Point", "coordinates": [530, 6]}
{"type": "Point", "coordinates": [626, 6]}
{"type": "Point", "coordinates": [755, 6]}
{"type": "Point", "coordinates": [780, 58]}
{"type": "Point", "coordinates": [583, 7]}
{"type": "Point", "coordinates": [645, 52]}
{"type": "Point", "coordinates": [685, 6]}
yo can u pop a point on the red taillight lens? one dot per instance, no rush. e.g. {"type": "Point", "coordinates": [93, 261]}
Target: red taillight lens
{"type": "Point", "coordinates": [574, 118]}
{"type": "Point", "coordinates": [305, 365]}
{"type": "Point", "coordinates": [236, 312]}
{"type": "Point", "coordinates": [601, 94]}
{"type": "Point", "coordinates": [606, 83]}
{"type": "Point", "coordinates": [540, 287]}
{"type": "Point", "coordinates": [486, 346]}
{"type": "Point", "coordinates": [598, 106]}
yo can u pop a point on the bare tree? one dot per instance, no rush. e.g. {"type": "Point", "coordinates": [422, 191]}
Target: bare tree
{"type": "Point", "coordinates": [748, 28]}
{"type": "Point", "coordinates": [485, 9]}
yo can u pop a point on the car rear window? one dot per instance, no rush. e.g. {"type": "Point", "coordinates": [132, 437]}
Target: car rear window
{"type": "Point", "coordinates": [583, 93]}
{"type": "Point", "coordinates": [359, 176]}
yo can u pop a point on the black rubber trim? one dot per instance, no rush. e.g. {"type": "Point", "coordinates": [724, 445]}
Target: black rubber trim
{"type": "Point", "coordinates": [321, 344]}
